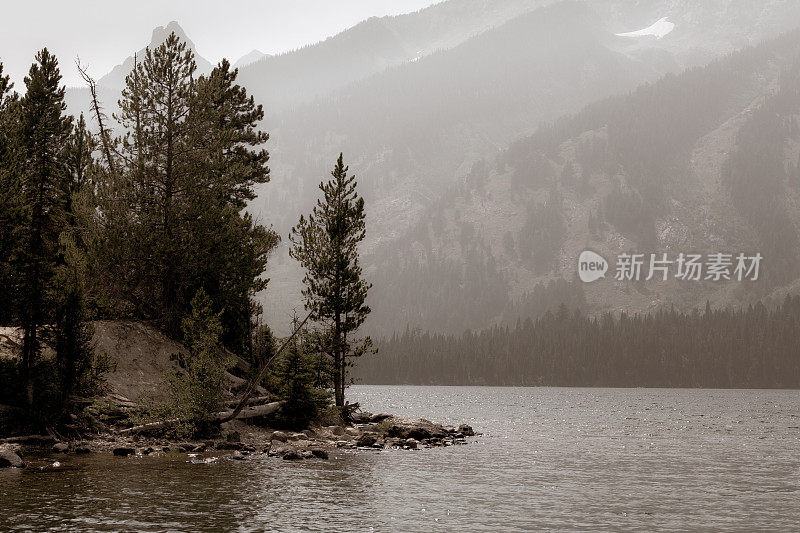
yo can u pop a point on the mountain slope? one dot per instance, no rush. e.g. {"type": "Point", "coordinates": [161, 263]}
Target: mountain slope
{"type": "Point", "coordinates": [705, 161]}
{"type": "Point", "coordinates": [286, 80]}
{"type": "Point", "coordinates": [409, 132]}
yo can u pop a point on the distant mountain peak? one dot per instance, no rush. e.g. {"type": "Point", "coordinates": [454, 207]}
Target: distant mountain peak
{"type": "Point", "coordinates": [249, 58]}
{"type": "Point", "coordinates": [161, 33]}
{"type": "Point", "coordinates": [116, 78]}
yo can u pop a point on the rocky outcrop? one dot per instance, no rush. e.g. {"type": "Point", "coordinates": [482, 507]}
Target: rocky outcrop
{"type": "Point", "coordinates": [413, 428]}
{"type": "Point", "coordinates": [9, 456]}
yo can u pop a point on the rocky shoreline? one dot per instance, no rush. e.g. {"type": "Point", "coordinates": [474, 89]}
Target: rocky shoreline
{"type": "Point", "coordinates": [240, 441]}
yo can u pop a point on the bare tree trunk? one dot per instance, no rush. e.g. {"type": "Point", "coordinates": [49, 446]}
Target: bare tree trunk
{"type": "Point", "coordinates": [104, 137]}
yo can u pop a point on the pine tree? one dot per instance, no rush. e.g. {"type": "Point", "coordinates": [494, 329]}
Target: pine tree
{"type": "Point", "coordinates": [295, 377]}
{"type": "Point", "coordinates": [73, 334]}
{"type": "Point", "coordinates": [189, 164]}
{"type": "Point", "coordinates": [10, 192]}
{"type": "Point", "coordinates": [44, 133]}
{"type": "Point", "coordinates": [159, 172]}
{"type": "Point", "coordinates": [326, 245]}
{"type": "Point", "coordinates": [198, 388]}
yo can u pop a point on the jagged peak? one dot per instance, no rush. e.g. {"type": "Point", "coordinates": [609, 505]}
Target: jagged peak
{"type": "Point", "coordinates": [160, 34]}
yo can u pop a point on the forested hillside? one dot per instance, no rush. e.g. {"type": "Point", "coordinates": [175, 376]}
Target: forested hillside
{"type": "Point", "coordinates": [751, 348]}
{"type": "Point", "coordinates": [702, 161]}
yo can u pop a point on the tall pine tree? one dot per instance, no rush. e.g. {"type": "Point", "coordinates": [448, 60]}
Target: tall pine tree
{"type": "Point", "coordinates": [10, 192]}
{"type": "Point", "coordinates": [173, 212]}
{"type": "Point", "coordinates": [44, 132]}
{"type": "Point", "coordinates": [326, 245]}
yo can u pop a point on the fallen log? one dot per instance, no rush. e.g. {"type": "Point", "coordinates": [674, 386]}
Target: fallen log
{"type": "Point", "coordinates": [257, 400]}
{"type": "Point", "coordinates": [250, 412]}
{"type": "Point", "coordinates": [247, 412]}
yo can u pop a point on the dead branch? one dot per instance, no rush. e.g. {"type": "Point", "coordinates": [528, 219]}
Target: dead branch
{"type": "Point", "coordinates": [99, 115]}
{"type": "Point", "coordinates": [253, 384]}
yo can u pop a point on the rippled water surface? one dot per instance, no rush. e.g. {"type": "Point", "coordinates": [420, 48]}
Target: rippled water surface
{"type": "Point", "coordinates": [550, 458]}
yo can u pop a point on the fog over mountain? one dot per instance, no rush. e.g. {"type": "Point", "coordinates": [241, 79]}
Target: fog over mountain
{"type": "Point", "coordinates": [473, 204]}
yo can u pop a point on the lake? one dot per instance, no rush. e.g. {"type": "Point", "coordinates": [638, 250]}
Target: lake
{"type": "Point", "coordinates": [549, 458]}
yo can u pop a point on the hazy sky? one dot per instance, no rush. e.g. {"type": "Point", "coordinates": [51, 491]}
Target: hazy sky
{"type": "Point", "coordinates": [105, 32]}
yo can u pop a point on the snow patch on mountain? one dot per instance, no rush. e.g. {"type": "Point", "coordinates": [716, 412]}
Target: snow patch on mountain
{"type": "Point", "coordinates": [658, 29]}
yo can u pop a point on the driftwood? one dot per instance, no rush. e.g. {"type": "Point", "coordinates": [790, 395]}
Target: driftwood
{"type": "Point", "coordinates": [246, 412]}
{"type": "Point", "coordinates": [255, 400]}
{"type": "Point", "coordinates": [347, 411]}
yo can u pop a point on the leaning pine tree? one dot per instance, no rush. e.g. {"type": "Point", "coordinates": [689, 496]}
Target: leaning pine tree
{"type": "Point", "coordinates": [326, 245]}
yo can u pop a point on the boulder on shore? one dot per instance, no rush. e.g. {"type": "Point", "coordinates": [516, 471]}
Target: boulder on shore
{"type": "Point", "coordinates": [366, 440]}
{"type": "Point", "coordinates": [281, 451]}
{"type": "Point", "coordinates": [319, 453]}
{"type": "Point", "coordinates": [466, 430]}
{"type": "Point", "coordinates": [123, 451]}
{"type": "Point", "coordinates": [279, 436]}
{"type": "Point", "coordinates": [60, 447]}
{"type": "Point", "coordinates": [9, 457]}
{"type": "Point", "coordinates": [413, 428]}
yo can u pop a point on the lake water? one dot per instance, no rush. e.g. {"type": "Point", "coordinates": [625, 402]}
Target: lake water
{"type": "Point", "coordinates": [550, 458]}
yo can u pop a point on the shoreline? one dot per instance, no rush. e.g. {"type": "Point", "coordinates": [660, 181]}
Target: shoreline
{"type": "Point", "coordinates": [239, 441]}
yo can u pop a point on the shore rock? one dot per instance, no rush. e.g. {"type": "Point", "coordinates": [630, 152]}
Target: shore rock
{"type": "Point", "coordinates": [123, 451]}
{"type": "Point", "coordinates": [466, 430]}
{"type": "Point", "coordinates": [319, 453]}
{"type": "Point", "coordinates": [279, 436]}
{"type": "Point", "coordinates": [60, 447]}
{"type": "Point", "coordinates": [280, 451]}
{"type": "Point", "coordinates": [411, 428]}
{"type": "Point", "coordinates": [9, 457]}
{"type": "Point", "coordinates": [366, 440]}
{"type": "Point", "coordinates": [287, 453]}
